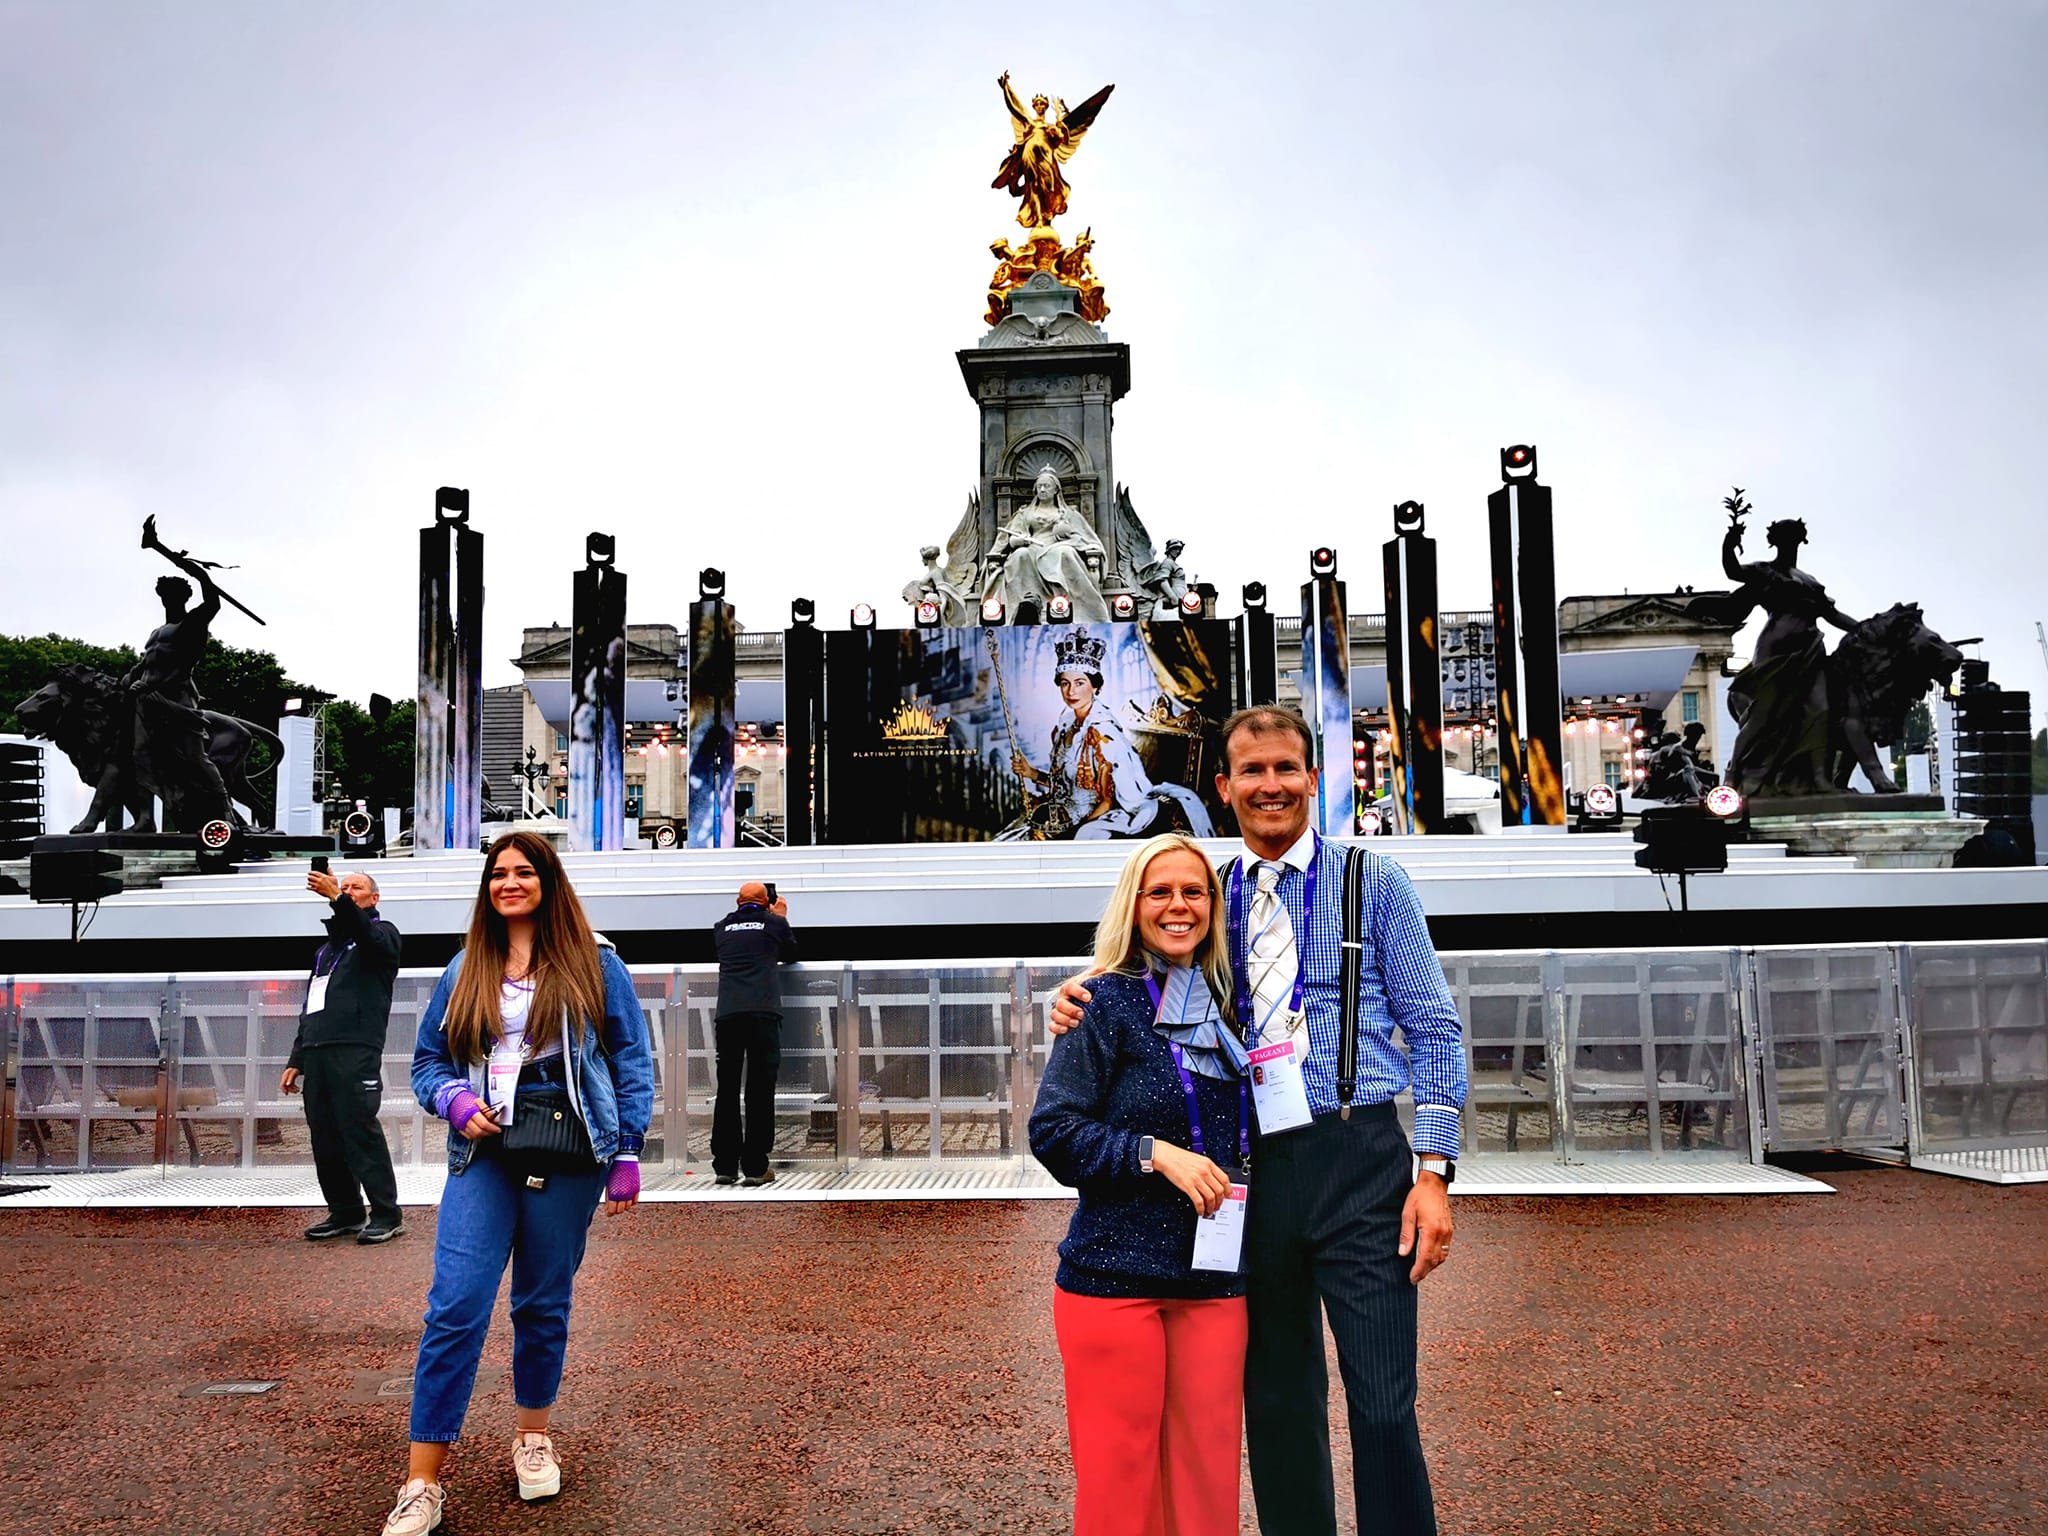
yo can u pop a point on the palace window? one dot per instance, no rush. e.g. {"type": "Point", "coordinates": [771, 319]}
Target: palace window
{"type": "Point", "coordinates": [1611, 772]}
{"type": "Point", "coordinates": [1689, 706]}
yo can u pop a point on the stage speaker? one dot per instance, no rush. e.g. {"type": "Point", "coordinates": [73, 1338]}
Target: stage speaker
{"type": "Point", "coordinates": [1681, 840]}
{"type": "Point", "coordinates": [21, 797]}
{"type": "Point", "coordinates": [80, 875]}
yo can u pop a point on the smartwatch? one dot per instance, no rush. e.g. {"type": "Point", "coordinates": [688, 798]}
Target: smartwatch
{"type": "Point", "coordinates": [1144, 1154]}
{"type": "Point", "coordinates": [1443, 1167]}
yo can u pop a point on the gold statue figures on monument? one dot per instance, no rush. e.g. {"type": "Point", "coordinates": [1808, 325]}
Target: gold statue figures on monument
{"type": "Point", "coordinates": [1041, 147]}
{"type": "Point", "coordinates": [1031, 173]}
{"type": "Point", "coordinates": [1015, 265]}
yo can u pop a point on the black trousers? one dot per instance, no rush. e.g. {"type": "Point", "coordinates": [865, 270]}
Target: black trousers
{"type": "Point", "coordinates": [749, 1046]}
{"type": "Point", "coordinates": [343, 1086]}
{"type": "Point", "coordinates": [1322, 1229]}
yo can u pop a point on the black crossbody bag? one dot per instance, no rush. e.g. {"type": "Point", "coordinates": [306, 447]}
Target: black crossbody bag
{"type": "Point", "coordinates": [546, 1134]}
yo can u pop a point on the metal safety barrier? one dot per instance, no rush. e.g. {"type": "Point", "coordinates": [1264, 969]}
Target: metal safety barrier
{"type": "Point", "coordinates": [1574, 1056]}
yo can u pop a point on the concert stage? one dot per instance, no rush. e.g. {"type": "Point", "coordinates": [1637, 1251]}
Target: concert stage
{"type": "Point", "coordinates": [950, 901]}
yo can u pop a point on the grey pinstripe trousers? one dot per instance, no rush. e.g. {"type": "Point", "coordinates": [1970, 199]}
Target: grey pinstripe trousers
{"type": "Point", "coordinates": [1323, 1224]}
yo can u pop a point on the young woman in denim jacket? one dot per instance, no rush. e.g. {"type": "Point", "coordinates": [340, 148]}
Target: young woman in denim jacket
{"type": "Point", "coordinates": [529, 965]}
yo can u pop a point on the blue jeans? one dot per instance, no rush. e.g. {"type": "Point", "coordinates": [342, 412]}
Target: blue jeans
{"type": "Point", "coordinates": [487, 1217]}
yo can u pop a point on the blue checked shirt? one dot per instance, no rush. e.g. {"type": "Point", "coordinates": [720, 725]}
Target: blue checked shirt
{"type": "Point", "coordinates": [1401, 985]}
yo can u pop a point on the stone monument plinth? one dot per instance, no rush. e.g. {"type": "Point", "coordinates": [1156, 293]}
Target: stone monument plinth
{"type": "Point", "coordinates": [1879, 831]}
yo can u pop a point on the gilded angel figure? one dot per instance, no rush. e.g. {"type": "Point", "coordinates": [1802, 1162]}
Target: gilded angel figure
{"type": "Point", "coordinates": [1031, 171]}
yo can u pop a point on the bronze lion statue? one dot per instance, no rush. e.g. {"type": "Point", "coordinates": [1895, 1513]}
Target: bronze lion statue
{"type": "Point", "coordinates": [85, 712]}
{"type": "Point", "coordinates": [1878, 671]}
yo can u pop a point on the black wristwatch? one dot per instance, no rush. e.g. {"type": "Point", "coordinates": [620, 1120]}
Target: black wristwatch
{"type": "Point", "coordinates": [1445, 1168]}
{"type": "Point", "coordinates": [1144, 1154]}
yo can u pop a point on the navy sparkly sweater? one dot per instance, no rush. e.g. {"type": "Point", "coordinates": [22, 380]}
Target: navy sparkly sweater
{"type": "Point", "coordinates": [1109, 1081]}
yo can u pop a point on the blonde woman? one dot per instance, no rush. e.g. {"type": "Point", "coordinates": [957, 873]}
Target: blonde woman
{"type": "Point", "coordinates": [533, 1022]}
{"type": "Point", "coordinates": [1143, 1110]}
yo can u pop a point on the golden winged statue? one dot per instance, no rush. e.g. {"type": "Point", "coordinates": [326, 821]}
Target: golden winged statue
{"type": "Point", "coordinates": [1041, 145]}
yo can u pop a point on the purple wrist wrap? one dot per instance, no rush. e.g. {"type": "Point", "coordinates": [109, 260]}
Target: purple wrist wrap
{"type": "Point", "coordinates": [461, 1105]}
{"type": "Point", "coordinates": [624, 1184]}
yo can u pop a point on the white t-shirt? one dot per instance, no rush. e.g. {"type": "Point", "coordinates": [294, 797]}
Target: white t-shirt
{"type": "Point", "coordinates": [509, 1053]}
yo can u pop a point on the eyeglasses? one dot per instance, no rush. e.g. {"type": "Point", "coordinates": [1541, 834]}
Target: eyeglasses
{"type": "Point", "coordinates": [1193, 895]}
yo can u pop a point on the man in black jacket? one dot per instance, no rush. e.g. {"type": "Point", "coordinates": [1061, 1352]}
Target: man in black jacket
{"type": "Point", "coordinates": [751, 942]}
{"type": "Point", "coordinates": [338, 1057]}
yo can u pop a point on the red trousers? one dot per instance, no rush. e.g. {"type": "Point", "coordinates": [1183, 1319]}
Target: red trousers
{"type": "Point", "coordinates": [1155, 1413]}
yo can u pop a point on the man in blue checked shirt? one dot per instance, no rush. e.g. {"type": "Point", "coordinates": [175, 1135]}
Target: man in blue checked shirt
{"type": "Point", "coordinates": [1343, 1218]}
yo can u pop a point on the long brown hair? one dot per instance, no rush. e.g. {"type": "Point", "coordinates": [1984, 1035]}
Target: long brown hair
{"type": "Point", "coordinates": [568, 982]}
{"type": "Point", "coordinates": [1117, 946]}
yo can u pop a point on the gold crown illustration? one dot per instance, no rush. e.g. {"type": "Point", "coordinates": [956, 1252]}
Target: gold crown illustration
{"type": "Point", "coordinates": [1079, 651]}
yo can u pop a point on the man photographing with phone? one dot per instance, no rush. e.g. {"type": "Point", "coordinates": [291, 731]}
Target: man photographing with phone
{"type": "Point", "coordinates": [752, 941]}
{"type": "Point", "coordinates": [338, 1061]}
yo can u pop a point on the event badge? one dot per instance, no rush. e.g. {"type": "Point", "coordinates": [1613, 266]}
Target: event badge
{"type": "Point", "coordinates": [503, 1073]}
{"type": "Point", "coordinates": [1219, 1239]}
{"type": "Point", "coordinates": [316, 994]}
{"type": "Point", "coordinates": [1277, 1088]}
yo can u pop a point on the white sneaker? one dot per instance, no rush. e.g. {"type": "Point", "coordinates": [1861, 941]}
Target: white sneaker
{"type": "Point", "coordinates": [533, 1459]}
{"type": "Point", "coordinates": [417, 1511]}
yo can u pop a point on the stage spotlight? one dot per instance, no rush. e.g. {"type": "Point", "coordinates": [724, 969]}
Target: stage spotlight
{"type": "Point", "coordinates": [711, 582]}
{"type": "Point", "coordinates": [1602, 801]}
{"type": "Point", "coordinates": [1123, 606]}
{"type": "Point", "coordinates": [992, 610]}
{"type": "Point", "coordinates": [602, 549]}
{"type": "Point", "coordinates": [1724, 801]}
{"type": "Point", "coordinates": [1371, 823]}
{"type": "Point", "coordinates": [1254, 596]}
{"type": "Point", "coordinates": [1518, 462]}
{"type": "Point", "coordinates": [1322, 561]}
{"type": "Point", "coordinates": [1191, 604]}
{"type": "Point", "coordinates": [863, 616]}
{"type": "Point", "coordinates": [1408, 517]}
{"type": "Point", "coordinates": [293, 706]}
{"type": "Point", "coordinates": [927, 613]}
{"type": "Point", "coordinates": [803, 613]}
{"type": "Point", "coordinates": [1059, 608]}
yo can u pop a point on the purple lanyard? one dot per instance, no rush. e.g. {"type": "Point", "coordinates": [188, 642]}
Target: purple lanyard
{"type": "Point", "coordinates": [1240, 942]}
{"type": "Point", "coordinates": [1187, 1087]}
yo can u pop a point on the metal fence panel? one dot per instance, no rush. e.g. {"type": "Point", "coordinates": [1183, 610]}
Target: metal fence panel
{"type": "Point", "coordinates": [1653, 1053]}
{"type": "Point", "coordinates": [1828, 1043]}
{"type": "Point", "coordinates": [1979, 1016]}
{"type": "Point", "coordinates": [1505, 1005]}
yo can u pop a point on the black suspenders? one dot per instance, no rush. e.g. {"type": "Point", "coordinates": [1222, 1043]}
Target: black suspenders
{"type": "Point", "coordinates": [1353, 958]}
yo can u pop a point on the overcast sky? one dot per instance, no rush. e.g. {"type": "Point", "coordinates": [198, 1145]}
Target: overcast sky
{"type": "Point", "coordinates": [695, 275]}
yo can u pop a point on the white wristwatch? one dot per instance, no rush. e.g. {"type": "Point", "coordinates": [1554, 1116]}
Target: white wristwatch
{"type": "Point", "coordinates": [1442, 1167]}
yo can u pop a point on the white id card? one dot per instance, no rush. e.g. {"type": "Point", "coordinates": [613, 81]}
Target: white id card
{"type": "Point", "coordinates": [1277, 1089]}
{"type": "Point", "coordinates": [503, 1080]}
{"type": "Point", "coordinates": [316, 994]}
{"type": "Point", "coordinates": [1219, 1239]}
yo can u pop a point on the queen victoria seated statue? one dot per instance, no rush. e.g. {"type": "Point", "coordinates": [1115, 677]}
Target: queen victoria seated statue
{"type": "Point", "coordinates": [1046, 548]}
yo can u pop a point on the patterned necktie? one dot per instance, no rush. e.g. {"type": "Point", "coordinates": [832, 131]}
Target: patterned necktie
{"type": "Point", "coordinates": [1271, 958]}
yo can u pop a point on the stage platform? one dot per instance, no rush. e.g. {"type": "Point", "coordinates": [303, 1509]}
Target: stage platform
{"type": "Point", "coordinates": [1547, 890]}
{"type": "Point", "coordinates": [979, 1179]}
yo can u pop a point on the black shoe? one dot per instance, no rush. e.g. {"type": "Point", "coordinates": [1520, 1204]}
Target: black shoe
{"type": "Point", "coordinates": [322, 1231]}
{"type": "Point", "coordinates": [381, 1231]}
{"type": "Point", "coordinates": [725, 1179]}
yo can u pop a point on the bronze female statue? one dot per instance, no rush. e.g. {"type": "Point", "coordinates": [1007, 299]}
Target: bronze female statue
{"type": "Point", "coordinates": [1780, 700]}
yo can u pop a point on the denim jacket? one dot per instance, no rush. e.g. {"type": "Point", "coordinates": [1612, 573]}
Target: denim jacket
{"type": "Point", "coordinates": [611, 1088]}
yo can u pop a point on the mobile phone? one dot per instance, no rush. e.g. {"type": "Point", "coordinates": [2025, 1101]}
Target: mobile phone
{"type": "Point", "coordinates": [771, 893]}
{"type": "Point", "coordinates": [319, 863]}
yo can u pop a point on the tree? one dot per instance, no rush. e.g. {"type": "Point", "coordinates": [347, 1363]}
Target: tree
{"type": "Point", "coordinates": [2041, 762]}
{"type": "Point", "coordinates": [29, 661]}
{"type": "Point", "coordinates": [366, 760]}
{"type": "Point", "coordinates": [246, 683]}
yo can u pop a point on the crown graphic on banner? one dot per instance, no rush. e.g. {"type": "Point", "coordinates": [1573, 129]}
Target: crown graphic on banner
{"type": "Point", "coordinates": [1079, 651]}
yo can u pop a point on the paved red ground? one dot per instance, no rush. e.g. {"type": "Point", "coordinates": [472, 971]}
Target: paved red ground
{"type": "Point", "coordinates": [1863, 1363]}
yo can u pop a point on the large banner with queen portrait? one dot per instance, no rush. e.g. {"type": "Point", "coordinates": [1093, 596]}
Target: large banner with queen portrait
{"type": "Point", "coordinates": [1043, 732]}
